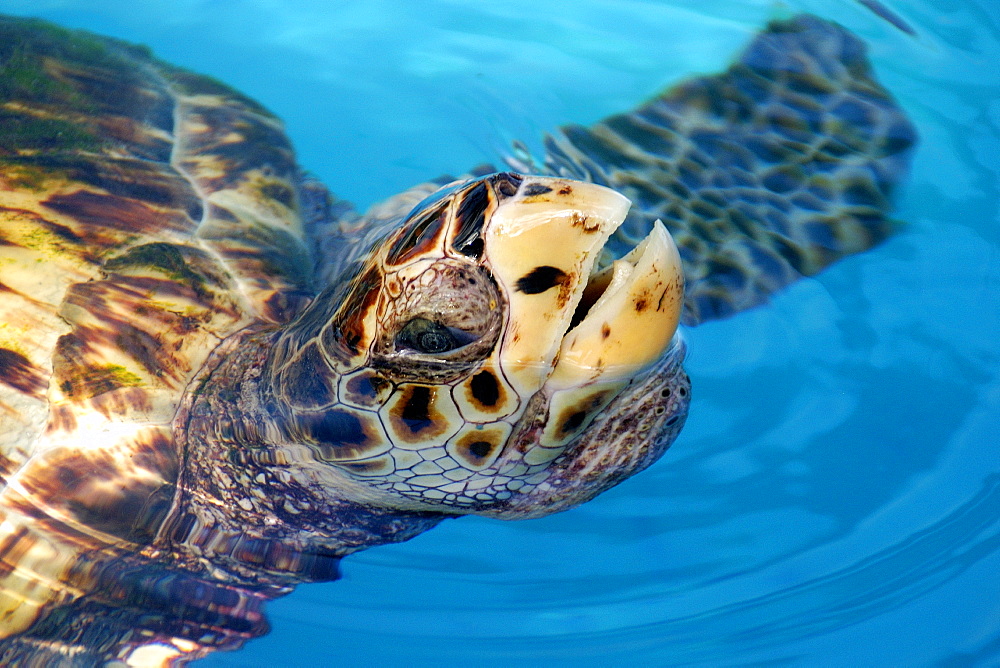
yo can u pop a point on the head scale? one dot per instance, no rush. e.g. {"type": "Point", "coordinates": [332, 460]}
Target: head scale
{"type": "Point", "coordinates": [477, 361]}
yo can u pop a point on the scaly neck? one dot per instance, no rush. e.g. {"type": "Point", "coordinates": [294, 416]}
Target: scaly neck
{"type": "Point", "coordinates": [251, 501]}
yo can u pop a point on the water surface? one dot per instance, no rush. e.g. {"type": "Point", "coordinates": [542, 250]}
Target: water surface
{"type": "Point", "coordinates": [835, 497]}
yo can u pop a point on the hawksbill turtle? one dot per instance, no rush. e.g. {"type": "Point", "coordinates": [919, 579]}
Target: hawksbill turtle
{"type": "Point", "coordinates": [217, 379]}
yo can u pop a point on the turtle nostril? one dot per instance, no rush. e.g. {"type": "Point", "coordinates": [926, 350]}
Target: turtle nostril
{"type": "Point", "coordinates": [505, 184]}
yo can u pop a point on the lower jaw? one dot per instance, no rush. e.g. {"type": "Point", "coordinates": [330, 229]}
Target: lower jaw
{"type": "Point", "coordinates": [629, 435]}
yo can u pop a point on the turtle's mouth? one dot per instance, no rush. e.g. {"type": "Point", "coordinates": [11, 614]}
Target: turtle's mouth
{"type": "Point", "coordinates": [627, 315]}
{"type": "Point", "coordinates": [567, 323]}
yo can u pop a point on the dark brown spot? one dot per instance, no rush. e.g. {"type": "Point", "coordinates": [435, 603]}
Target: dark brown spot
{"type": "Point", "coordinates": [9, 541]}
{"type": "Point", "coordinates": [641, 303]}
{"type": "Point", "coordinates": [536, 189]}
{"type": "Point", "coordinates": [308, 381]}
{"type": "Point", "coordinates": [485, 389]}
{"type": "Point", "coordinates": [566, 190]}
{"type": "Point", "coordinates": [81, 377]}
{"type": "Point", "coordinates": [343, 338]}
{"type": "Point", "coordinates": [278, 192]}
{"type": "Point", "coordinates": [343, 435]}
{"type": "Point", "coordinates": [480, 449]}
{"type": "Point", "coordinates": [18, 372]}
{"type": "Point", "coordinates": [418, 234]}
{"type": "Point", "coordinates": [7, 465]}
{"type": "Point", "coordinates": [415, 412]}
{"type": "Point", "coordinates": [77, 484]}
{"type": "Point", "coordinates": [221, 214]}
{"type": "Point", "coordinates": [281, 307]}
{"type": "Point", "coordinates": [29, 508]}
{"type": "Point", "coordinates": [188, 325]}
{"type": "Point", "coordinates": [118, 213]}
{"type": "Point", "coordinates": [506, 184]}
{"type": "Point", "coordinates": [166, 259]}
{"type": "Point", "coordinates": [368, 467]}
{"type": "Point", "coordinates": [574, 417]}
{"type": "Point", "coordinates": [61, 231]}
{"type": "Point", "coordinates": [366, 389]}
{"type": "Point", "coordinates": [122, 402]}
{"type": "Point", "coordinates": [414, 417]}
{"type": "Point", "coordinates": [540, 279]}
{"type": "Point", "coordinates": [62, 418]}
{"type": "Point", "coordinates": [13, 549]}
{"type": "Point", "coordinates": [573, 422]}
{"type": "Point", "coordinates": [181, 527]}
{"type": "Point", "coordinates": [605, 331]}
{"type": "Point", "coordinates": [335, 428]}
{"type": "Point", "coordinates": [251, 550]}
{"type": "Point", "coordinates": [469, 220]}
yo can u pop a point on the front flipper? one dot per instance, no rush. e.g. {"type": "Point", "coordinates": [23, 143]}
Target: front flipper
{"type": "Point", "coordinates": [763, 174]}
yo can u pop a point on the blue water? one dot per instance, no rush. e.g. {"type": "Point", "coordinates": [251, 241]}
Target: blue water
{"type": "Point", "coordinates": [835, 497]}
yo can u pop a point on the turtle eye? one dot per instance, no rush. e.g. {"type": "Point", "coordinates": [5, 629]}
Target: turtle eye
{"type": "Point", "coordinates": [427, 336]}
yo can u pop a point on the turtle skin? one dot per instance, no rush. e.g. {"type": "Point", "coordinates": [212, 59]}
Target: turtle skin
{"type": "Point", "coordinates": [156, 230]}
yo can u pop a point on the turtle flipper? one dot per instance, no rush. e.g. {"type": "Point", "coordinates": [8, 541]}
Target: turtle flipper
{"type": "Point", "coordinates": [763, 174]}
{"type": "Point", "coordinates": [139, 612]}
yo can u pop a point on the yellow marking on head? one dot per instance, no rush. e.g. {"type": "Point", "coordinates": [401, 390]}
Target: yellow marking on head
{"type": "Point", "coordinates": [631, 324]}
{"type": "Point", "coordinates": [541, 253]}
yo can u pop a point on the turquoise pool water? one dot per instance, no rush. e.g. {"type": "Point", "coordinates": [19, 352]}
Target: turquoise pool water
{"type": "Point", "coordinates": [835, 497]}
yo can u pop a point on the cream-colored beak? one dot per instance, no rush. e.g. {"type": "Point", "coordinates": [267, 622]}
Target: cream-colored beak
{"type": "Point", "coordinates": [542, 245]}
{"type": "Point", "coordinates": [633, 320]}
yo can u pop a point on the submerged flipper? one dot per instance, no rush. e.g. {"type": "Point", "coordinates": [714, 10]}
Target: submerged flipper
{"type": "Point", "coordinates": [763, 174]}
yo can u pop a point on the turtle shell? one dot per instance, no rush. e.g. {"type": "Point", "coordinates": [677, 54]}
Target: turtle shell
{"type": "Point", "coordinates": [146, 214]}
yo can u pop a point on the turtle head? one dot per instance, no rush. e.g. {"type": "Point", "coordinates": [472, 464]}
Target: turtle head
{"type": "Point", "coordinates": [486, 358]}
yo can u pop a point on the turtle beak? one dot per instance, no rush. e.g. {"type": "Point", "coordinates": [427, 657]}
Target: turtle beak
{"type": "Point", "coordinates": [542, 245]}
{"type": "Point", "coordinates": [636, 307]}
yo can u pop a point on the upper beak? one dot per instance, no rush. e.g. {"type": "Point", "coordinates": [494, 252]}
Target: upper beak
{"type": "Point", "coordinates": [542, 244]}
{"type": "Point", "coordinates": [631, 323]}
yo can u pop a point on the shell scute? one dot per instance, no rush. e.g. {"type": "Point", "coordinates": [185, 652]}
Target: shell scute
{"type": "Point", "coordinates": [123, 491]}
{"type": "Point", "coordinates": [147, 214]}
{"type": "Point", "coordinates": [477, 449]}
{"type": "Point", "coordinates": [17, 372]}
{"type": "Point", "coordinates": [486, 396]}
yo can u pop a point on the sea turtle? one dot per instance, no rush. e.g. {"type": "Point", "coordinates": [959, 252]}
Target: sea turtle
{"type": "Point", "coordinates": [216, 379]}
